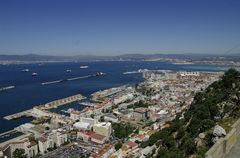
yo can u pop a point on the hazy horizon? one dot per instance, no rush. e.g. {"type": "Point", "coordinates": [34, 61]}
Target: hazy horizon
{"type": "Point", "coordinates": [61, 27]}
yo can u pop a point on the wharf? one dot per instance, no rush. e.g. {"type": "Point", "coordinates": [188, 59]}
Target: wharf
{"type": "Point", "coordinates": [8, 132]}
{"type": "Point", "coordinates": [50, 105]}
{"type": "Point", "coordinates": [59, 102]}
{"type": "Point", "coordinates": [18, 115]}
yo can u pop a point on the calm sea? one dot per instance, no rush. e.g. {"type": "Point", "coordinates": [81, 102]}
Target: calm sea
{"type": "Point", "coordinates": [30, 92]}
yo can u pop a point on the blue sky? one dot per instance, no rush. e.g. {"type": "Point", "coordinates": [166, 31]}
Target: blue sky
{"type": "Point", "coordinates": [112, 27]}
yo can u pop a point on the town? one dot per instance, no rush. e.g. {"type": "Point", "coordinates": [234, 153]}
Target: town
{"type": "Point", "coordinates": [115, 121]}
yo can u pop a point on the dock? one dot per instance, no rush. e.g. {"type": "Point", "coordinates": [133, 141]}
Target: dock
{"type": "Point", "coordinates": [18, 115]}
{"type": "Point", "coordinates": [7, 133]}
{"type": "Point", "coordinates": [47, 106]}
{"type": "Point", "coordinates": [59, 102]}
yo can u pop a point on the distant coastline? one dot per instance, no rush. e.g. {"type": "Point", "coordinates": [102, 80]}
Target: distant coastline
{"type": "Point", "coordinates": [177, 59]}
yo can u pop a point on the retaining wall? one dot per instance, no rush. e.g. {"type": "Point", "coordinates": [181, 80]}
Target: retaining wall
{"type": "Point", "coordinates": [224, 145]}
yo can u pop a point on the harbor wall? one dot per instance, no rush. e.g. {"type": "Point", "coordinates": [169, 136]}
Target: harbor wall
{"type": "Point", "coordinates": [222, 147]}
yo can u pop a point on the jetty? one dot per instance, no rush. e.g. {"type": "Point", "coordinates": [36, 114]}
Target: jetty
{"type": "Point", "coordinates": [59, 102]}
{"type": "Point", "coordinates": [47, 106]}
{"type": "Point", "coordinates": [18, 115]}
{"type": "Point", "coordinates": [5, 134]}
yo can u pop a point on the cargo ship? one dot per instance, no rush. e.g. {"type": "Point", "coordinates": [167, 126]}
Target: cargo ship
{"type": "Point", "coordinates": [25, 70]}
{"type": "Point", "coordinates": [83, 67]}
{"type": "Point", "coordinates": [34, 74]}
{"type": "Point", "coordinates": [68, 71]}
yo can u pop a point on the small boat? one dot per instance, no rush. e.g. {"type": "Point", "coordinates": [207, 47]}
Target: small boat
{"type": "Point", "coordinates": [83, 67]}
{"type": "Point", "coordinates": [65, 80]}
{"type": "Point", "coordinates": [100, 74]}
{"type": "Point", "coordinates": [25, 70]}
{"type": "Point", "coordinates": [34, 74]}
{"type": "Point", "coordinates": [68, 71]}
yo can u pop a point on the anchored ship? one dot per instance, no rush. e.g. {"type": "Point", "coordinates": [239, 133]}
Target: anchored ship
{"type": "Point", "coordinates": [25, 70]}
{"type": "Point", "coordinates": [83, 67]}
{"type": "Point", "coordinates": [34, 74]}
{"type": "Point", "coordinates": [68, 71]}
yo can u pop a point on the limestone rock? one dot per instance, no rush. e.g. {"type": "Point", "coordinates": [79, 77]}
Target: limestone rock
{"type": "Point", "coordinates": [215, 139]}
{"type": "Point", "coordinates": [219, 131]}
{"type": "Point", "coordinates": [201, 135]}
{"type": "Point", "coordinates": [198, 142]}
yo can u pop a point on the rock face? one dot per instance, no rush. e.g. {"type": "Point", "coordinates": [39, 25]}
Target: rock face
{"type": "Point", "coordinates": [219, 131]}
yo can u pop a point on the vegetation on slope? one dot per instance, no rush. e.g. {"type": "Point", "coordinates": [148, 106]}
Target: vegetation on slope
{"type": "Point", "coordinates": [218, 104]}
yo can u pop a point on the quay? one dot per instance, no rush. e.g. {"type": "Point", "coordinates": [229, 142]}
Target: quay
{"type": "Point", "coordinates": [59, 102]}
{"type": "Point", "coordinates": [7, 132]}
{"type": "Point", "coordinates": [18, 115]}
{"type": "Point", "coordinates": [47, 106]}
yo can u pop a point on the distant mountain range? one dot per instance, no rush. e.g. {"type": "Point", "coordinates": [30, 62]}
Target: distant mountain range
{"type": "Point", "coordinates": [127, 57]}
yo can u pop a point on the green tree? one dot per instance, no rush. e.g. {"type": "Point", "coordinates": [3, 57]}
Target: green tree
{"type": "Point", "coordinates": [118, 146]}
{"type": "Point", "coordinates": [19, 153]}
{"type": "Point", "coordinates": [31, 138]}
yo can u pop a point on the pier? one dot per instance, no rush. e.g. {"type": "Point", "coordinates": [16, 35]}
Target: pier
{"type": "Point", "coordinates": [18, 115]}
{"type": "Point", "coordinates": [59, 102]}
{"type": "Point", "coordinates": [47, 106]}
{"type": "Point", "coordinates": [7, 133]}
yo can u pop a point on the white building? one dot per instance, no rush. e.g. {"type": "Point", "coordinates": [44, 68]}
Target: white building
{"type": "Point", "coordinates": [52, 139]}
{"type": "Point", "coordinates": [82, 125]}
{"type": "Point", "coordinates": [103, 128]}
{"type": "Point", "coordinates": [110, 117]}
{"type": "Point", "coordinates": [30, 148]}
{"type": "Point", "coordinates": [91, 121]}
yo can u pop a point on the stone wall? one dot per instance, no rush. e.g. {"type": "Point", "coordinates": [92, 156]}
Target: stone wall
{"type": "Point", "coordinates": [224, 145]}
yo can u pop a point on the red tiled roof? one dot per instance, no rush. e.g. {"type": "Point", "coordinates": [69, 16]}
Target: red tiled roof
{"type": "Point", "coordinates": [102, 151]}
{"type": "Point", "coordinates": [98, 136]}
{"type": "Point", "coordinates": [132, 144]}
{"type": "Point", "coordinates": [88, 133]}
{"type": "Point", "coordinates": [42, 139]}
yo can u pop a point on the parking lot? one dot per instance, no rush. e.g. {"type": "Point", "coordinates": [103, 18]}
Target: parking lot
{"type": "Point", "coordinates": [67, 151]}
